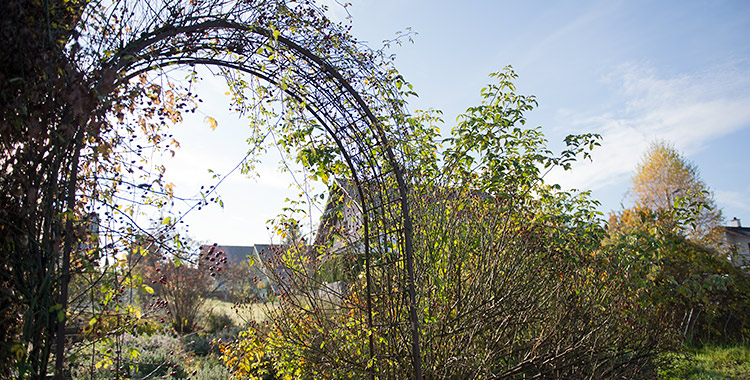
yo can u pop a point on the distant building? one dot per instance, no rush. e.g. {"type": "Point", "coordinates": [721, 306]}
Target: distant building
{"type": "Point", "coordinates": [738, 241]}
{"type": "Point", "coordinates": [255, 268]}
{"type": "Point", "coordinates": [90, 239]}
{"type": "Point", "coordinates": [341, 224]}
{"type": "Point", "coordinates": [235, 254]}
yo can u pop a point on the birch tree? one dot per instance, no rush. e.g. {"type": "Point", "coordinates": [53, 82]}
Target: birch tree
{"type": "Point", "coordinates": [666, 180]}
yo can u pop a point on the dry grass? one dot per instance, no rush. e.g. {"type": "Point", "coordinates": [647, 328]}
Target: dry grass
{"type": "Point", "coordinates": [240, 314]}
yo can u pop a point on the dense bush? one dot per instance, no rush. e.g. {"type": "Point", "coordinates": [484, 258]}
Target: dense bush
{"type": "Point", "coordinates": [217, 321]}
{"type": "Point", "coordinates": [511, 277]}
{"type": "Point", "coordinates": [137, 357]}
{"type": "Point", "coordinates": [698, 290]}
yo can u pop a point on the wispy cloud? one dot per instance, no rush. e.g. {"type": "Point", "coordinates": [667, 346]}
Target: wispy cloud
{"type": "Point", "coordinates": [735, 199]}
{"type": "Point", "coordinates": [689, 111]}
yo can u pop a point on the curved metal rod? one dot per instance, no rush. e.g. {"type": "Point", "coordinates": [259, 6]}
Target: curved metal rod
{"type": "Point", "coordinates": [121, 61]}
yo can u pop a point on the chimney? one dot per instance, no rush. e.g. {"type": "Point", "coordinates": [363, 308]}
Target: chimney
{"type": "Point", "coordinates": [735, 222]}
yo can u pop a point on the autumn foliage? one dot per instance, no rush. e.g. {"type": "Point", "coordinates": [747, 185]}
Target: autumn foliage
{"type": "Point", "coordinates": [665, 180]}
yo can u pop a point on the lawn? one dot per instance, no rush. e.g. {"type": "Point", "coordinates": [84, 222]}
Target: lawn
{"type": "Point", "coordinates": [711, 362]}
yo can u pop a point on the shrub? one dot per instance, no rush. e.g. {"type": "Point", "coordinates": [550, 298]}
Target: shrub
{"type": "Point", "coordinates": [698, 291]}
{"type": "Point", "coordinates": [511, 279]}
{"type": "Point", "coordinates": [217, 321]}
{"type": "Point", "coordinates": [197, 344]}
{"type": "Point", "coordinates": [209, 368]}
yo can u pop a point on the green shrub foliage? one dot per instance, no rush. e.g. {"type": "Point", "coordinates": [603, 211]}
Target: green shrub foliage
{"type": "Point", "coordinates": [512, 280]}
{"type": "Point", "coordinates": [694, 287]}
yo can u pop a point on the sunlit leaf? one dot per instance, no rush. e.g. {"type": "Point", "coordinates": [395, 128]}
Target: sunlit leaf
{"type": "Point", "coordinates": [211, 122]}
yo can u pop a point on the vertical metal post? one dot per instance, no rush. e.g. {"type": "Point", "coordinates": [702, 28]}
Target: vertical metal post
{"type": "Point", "coordinates": [408, 248]}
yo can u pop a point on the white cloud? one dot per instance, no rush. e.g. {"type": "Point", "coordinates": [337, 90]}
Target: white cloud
{"type": "Point", "coordinates": [689, 111]}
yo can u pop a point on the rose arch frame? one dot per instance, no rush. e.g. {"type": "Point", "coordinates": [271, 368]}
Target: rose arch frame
{"type": "Point", "coordinates": [297, 49]}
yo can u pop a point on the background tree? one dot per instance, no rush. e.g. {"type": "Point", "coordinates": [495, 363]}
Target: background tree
{"type": "Point", "coordinates": [185, 277]}
{"type": "Point", "coordinates": [665, 177]}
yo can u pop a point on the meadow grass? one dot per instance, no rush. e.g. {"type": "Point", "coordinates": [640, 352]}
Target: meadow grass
{"type": "Point", "coordinates": [240, 314]}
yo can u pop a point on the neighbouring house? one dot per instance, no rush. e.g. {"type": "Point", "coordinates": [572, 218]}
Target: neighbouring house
{"type": "Point", "coordinates": [275, 262]}
{"type": "Point", "coordinates": [233, 269]}
{"type": "Point", "coordinates": [258, 268]}
{"type": "Point", "coordinates": [90, 239]}
{"type": "Point", "coordinates": [250, 270]}
{"type": "Point", "coordinates": [738, 241]}
{"type": "Point", "coordinates": [341, 223]}
{"type": "Point", "coordinates": [339, 242]}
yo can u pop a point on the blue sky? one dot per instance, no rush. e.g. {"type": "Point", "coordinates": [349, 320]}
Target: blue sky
{"type": "Point", "coordinates": [633, 71]}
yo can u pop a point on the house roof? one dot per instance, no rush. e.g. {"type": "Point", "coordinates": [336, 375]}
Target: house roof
{"type": "Point", "coordinates": [236, 253]}
{"type": "Point", "coordinates": [239, 253]}
{"type": "Point", "coordinates": [267, 252]}
{"type": "Point", "coordinates": [742, 231]}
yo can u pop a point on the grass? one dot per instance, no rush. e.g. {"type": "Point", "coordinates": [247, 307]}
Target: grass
{"type": "Point", "coordinates": [239, 315]}
{"type": "Point", "coordinates": [710, 363]}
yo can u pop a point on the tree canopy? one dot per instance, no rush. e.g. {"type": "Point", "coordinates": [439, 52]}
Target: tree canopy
{"type": "Point", "coordinates": [665, 179]}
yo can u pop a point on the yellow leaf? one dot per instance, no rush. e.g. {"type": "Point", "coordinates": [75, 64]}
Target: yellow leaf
{"type": "Point", "coordinates": [169, 188]}
{"type": "Point", "coordinates": [19, 350]}
{"type": "Point", "coordinates": [211, 122]}
{"type": "Point", "coordinates": [148, 289]}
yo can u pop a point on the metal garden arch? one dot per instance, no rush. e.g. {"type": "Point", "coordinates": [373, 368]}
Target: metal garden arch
{"type": "Point", "coordinates": [295, 47]}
